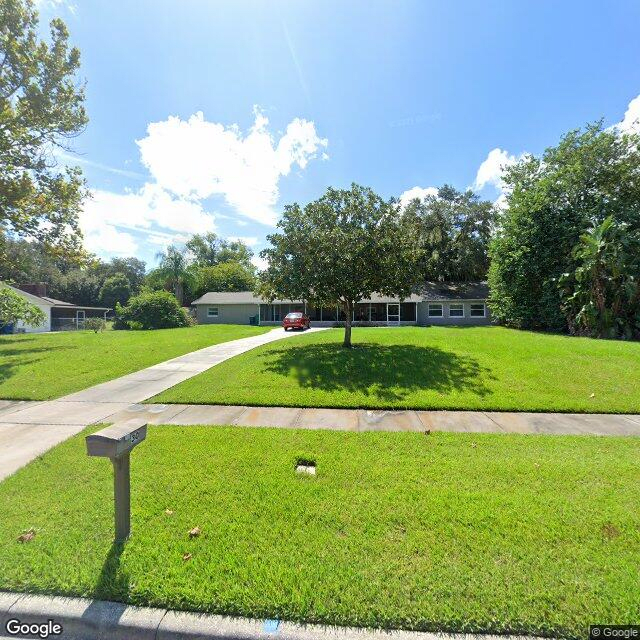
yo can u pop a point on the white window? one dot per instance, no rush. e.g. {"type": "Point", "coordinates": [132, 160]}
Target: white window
{"type": "Point", "coordinates": [435, 310]}
{"type": "Point", "coordinates": [478, 310]}
{"type": "Point", "coordinates": [212, 312]}
{"type": "Point", "coordinates": [456, 310]}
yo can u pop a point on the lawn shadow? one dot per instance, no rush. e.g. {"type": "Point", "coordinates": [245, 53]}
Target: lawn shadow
{"type": "Point", "coordinates": [7, 368]}
{"type": "Point", "coordinates": [113, 582]}
{"type": "Point", "coordinates": [387, 372]}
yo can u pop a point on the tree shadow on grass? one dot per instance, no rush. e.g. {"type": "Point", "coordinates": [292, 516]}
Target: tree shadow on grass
{"type": "Point", "coordinates": [387, 372]}
{"type": "Point", "coordinates": [8, 368]}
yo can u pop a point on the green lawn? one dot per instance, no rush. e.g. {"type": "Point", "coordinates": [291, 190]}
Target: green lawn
{"type": "Point", "coordinates": [460, 532]}
{"type": "Point", "coordinates": [49, 365]}
{"type": "Point", "coordinates": [482, 368]}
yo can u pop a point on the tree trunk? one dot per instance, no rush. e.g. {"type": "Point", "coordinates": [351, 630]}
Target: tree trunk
{"type": "Point", "coordinates": [178, 292]}
{"type": "Point", "coordinates": [348, 307]}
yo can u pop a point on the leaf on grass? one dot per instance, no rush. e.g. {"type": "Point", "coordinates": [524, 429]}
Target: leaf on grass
{"type": "Point", "coordinates": [473, 445]}
{"type": "Point", "coordinates": [169, 512]}
{"type": "Point", "coordinates": [27, 536]}
{"type": "Point", "coordinates": [186, 556]}
{"type": "Point", "coordinates": [593, 395]}
{"type": "Point", "coordinates": [195, 532]}
{"type": "Point", "coordinates": [427, 432]}
{"type": "Point", "coordinates": [610, 531]}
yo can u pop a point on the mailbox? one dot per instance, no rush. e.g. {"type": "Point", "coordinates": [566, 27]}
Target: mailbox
{"type": "Point", "coordinates": [117, 439]}
{"type": "Point", "coordinates": [116, 442]}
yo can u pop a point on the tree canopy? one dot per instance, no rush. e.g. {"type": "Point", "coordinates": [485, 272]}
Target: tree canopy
{"type": "Point", "coordinates": [340, 249]}
{"type": "Point", "coordinates": [116, 289]}
{"type": "Point", "coordinates": [41, 108]}
{"type": "Point", "coordinates": [226, 276]}
{"type": "Point", "coordinates": [455, 229]}
{"type": "Point", "coordinates": [208, 250]}
{"type": "Point", "coordinates": [592, 174]}
{"type": "Point", "coordinates": [174, 269]}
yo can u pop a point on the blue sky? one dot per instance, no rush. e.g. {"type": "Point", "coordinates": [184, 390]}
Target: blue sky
{"type": "Point", "coordinates": [211, 115]}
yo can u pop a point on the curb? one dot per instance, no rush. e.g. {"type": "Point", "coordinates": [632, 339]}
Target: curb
{"type": "Point", "coordinates": [84, 619]}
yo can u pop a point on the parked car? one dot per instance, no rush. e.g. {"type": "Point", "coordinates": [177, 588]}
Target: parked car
{"type": "Point", "coordinates": [296, 320]}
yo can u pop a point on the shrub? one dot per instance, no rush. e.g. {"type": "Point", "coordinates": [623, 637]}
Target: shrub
{"type": "Point", "coordinates": [602, 296]}
{"type": "Point", "coordinates": [95, 324]}
{"type": "Point", "coordinates": [151, 310]}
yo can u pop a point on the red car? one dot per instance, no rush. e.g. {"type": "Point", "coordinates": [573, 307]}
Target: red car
{"type": "Point", "coordinates": [296, 320]}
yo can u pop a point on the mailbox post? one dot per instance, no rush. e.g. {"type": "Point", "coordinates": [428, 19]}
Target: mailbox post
{"type": "Point", "coordinates": [116, 442]}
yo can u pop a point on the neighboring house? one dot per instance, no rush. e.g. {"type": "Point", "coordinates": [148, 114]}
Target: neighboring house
{"type": "Point", "coordinates": [59, 315]}
{"type": "Point", "coordinates": [437, 303]}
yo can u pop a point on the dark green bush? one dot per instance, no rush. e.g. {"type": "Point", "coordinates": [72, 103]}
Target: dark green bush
{"type": "Point", "coordinates": [151, 310]}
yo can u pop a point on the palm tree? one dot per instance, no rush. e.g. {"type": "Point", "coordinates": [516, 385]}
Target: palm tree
{"type": "Point", "coordinates": [174, 267]}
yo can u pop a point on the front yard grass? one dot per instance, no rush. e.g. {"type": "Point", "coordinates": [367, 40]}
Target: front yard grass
{"type": "Point", "coordinates": [45, 366]}
{"type": "Point", "coordinates": [458, 532]}
{"type": "Point", "coordinates": [476, 368]}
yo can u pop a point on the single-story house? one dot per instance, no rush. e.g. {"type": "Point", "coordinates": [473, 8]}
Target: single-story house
{"type": "Point", "coordinates": [60, 315]}
{"type": "Point", "coordinates": [436, 303]}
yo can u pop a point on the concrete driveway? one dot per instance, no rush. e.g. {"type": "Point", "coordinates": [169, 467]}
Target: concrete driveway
{"type": "Point", "coordinates": [28, 429]}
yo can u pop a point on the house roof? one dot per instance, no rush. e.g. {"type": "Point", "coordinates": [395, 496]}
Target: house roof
{"type": "Point", "coordinates": [247, 297]}
{"type": "Point", "coordinates": [455, 291]}
{"type": "Point", "coordinates": [235, 297]}
{"type": "Point", "coordinates": [52, 302]}
{"type": "Point", "coordinates": [69, 305]}
{"type": "Point", "coordinates": [29, 296]}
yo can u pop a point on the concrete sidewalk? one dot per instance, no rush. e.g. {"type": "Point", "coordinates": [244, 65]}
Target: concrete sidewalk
{"type": "Point", "coordinates": [28, 429]}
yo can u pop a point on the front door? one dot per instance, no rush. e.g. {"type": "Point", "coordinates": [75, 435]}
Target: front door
{"type": "Point", "coordinates": [393, 313]}
{"type": "Point", "coordinates": [80, 318]}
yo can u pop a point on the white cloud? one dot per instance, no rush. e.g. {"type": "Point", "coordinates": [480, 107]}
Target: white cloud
{"type": "Point", "coordinates": [108, 216]}
{"type": "Point", "coordinates": [78, 159]}
{"type": "Point", "coordinates": [492, 168]}
{"type": "Point", "coordinates": [417, 192]}
{"type": "Point", "coordinates": [631, 121]}
{"type": "Point", "coordinates": [250, 241]}
{"type": "Point", "coordinates": [195, 159]}
{"type": "Point", "coordinates": [105, 239]}
{"type": "Point", "coordinates": [53, 5]}
{"type": "Point", "coordinates": [259, 262]}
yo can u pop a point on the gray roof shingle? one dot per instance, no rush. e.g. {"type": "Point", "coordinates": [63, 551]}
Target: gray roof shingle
{"type": "Point", "coordinates": [430, 291]}
{"type": "Point", "coordinates": [455, 291]}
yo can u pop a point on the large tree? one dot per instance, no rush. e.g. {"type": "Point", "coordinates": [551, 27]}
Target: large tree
{"type": "Point", "coordinates": [553, 200]}
{"type": "Point", "coordinates": [174, 269]}
{"type": "Point", "coordinates": [455, 229]}
{"type": "Point", "coordinates": [339, 250]}
{"type": "Point", "coordinates": [208, 250]}
{"type": "Point", "coordinates": [133, 268]}
{"type": "Point", "coordinates": [41, 108]}
{"type": "Point", "coordinates": [116, 289]}
{"type": "Point", "coordinates": [226, 276]}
